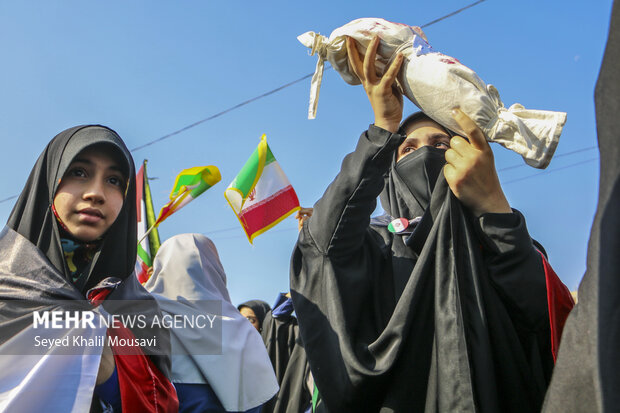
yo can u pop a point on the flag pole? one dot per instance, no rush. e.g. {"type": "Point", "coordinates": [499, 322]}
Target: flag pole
{"type": "Point", "coordinates": [146, 234]}
{"type": "Point", "coordinates": [154, 241]}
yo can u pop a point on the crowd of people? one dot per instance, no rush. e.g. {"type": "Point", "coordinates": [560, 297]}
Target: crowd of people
{"type": "Point", "coordinates": [442, 304]}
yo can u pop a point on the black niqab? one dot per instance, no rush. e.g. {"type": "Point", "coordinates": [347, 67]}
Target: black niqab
{"type": "Point", "coordinates": [410, 182]}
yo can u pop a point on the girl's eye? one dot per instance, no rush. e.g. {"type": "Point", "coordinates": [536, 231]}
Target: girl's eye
{"type": "Point", "coordinates": [79, 172]}
{"type": "Point", "coordinates": [116, 181]}
{"type": "Point", "coordinates": [408, 149]}
{"type": "Point", "coordinates": [442, 145]}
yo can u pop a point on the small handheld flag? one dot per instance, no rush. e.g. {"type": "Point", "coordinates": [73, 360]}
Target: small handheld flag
{"type": "Point", "coordinates": [147, 248]}
{"type": "Point", "coordinates": [261, 195]}
{"type": "Point", "coordinates": [190, 183]}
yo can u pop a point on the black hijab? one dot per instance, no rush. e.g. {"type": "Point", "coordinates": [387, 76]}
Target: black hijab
{"type": "Point", "coordinates": [33, 218]}
{"type": "Point", "coordinates": [259, 307]}
{"type": "Point", "coordinates": [112, 265]}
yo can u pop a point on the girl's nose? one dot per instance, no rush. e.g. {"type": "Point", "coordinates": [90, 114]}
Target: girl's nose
{"type": "Point", "coordinates": [95, 191]}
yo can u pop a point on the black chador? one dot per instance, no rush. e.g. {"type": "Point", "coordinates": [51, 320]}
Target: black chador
{"type": "Point", "coordinates": [450, 314]}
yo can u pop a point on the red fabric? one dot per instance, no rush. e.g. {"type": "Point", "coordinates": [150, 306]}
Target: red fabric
{"type": "Point", "coordinates": [143, 275]}
{"type": "Point", "coordinates": [143, 387]}
{"type": "Point", "coordinates": [139, 192]}
{"type": "Point", "coordinates": [96, 296]}
{"type": "Point", "coordinates": [266, 212]}
{"type": "Point", "coordinates": [560, 302]}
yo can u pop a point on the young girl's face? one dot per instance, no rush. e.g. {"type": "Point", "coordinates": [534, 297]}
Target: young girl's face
{"type": "Point", "coordinates": [90, 195]}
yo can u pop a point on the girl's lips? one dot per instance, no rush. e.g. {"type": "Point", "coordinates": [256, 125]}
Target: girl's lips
{"type": "Point", "coordinates": [90, 216]}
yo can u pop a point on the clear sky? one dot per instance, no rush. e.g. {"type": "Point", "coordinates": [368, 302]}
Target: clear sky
{"type": "Point", "coordinates": [148, 68]}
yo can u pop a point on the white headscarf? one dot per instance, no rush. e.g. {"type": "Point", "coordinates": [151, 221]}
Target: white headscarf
{"type": "Point", "coordinates": [187, 268]}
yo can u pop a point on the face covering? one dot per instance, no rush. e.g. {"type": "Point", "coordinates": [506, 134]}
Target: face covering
{"type": "Point", "coordinates": [418, 172]}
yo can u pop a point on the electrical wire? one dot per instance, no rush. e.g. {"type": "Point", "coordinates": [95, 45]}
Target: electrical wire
{"type": "Point", "coordinates": [550, 171]}
{"type": "Point", "coordinates": [246, 102]}
{"type": "Point", "coordinates": [554, 157]}
{"type": "Point", "coordinates": [171, 134]}
{"type": "Point", "coordinates": [451, 14]}
{"type": "Point", "coordinates": [503, 183]}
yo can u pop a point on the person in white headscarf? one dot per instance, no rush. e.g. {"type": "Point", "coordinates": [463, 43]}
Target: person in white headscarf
{"type": "Point", "coordinates": [187, 272]}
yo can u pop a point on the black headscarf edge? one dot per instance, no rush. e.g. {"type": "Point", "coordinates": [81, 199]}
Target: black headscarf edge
{"type": "Point", "coordinates": [32, 216]}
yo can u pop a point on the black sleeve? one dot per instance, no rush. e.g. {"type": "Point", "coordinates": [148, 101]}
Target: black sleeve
{"type": "Point", "coordinates": [342, 216]}
{"type": "Point", "coordinates": [515, 266]}
{"type": "Point", "coordinates": [336, 275]}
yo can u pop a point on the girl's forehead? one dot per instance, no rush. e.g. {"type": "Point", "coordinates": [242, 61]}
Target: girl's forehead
{"type": "Point", "coordinates": [103, 156]}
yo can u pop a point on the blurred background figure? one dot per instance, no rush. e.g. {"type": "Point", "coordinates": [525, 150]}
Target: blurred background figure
{"type": "Point", "coordinates": [587, 374]}
{"type": "Point", "coordinates": [280, 333]}
{"type": "Point", "coordinates": [187, 272]}
{"type": "Point", "coordinates": [254, 311]}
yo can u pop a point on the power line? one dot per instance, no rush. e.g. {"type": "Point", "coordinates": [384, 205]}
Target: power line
{"type": "Point", "coordinates": [276, 89]}
{"type": "Point", "coordinates": [504, 183]}
{"type": "Point", "coordinates": [451, 14]}
{"type": "Point", "coordinates": [499, 170]}
{"type": "Point", "coordinates": [237, 106]}
{"type": "Point", "coordinates": [271, 92]}
{"type": "Point", "coordinates": [550, 171]}
{"type": "Point", "coordinates": [554, 157]}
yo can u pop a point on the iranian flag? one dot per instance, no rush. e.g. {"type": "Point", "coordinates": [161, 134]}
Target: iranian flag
{"type": "Point", "coordinates": [261, 195]}
{"type": "Point", "coordinates": [148, 245]}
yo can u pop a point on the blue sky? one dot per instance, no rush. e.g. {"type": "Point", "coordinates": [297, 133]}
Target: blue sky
{"type": "Point", "coordinates": [148, 68]}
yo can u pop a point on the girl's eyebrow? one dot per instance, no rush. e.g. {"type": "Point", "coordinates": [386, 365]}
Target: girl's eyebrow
{"type": "Point", "coordinates": [113, 167]}
{"type": "Point", "coordinates": [82, 160]}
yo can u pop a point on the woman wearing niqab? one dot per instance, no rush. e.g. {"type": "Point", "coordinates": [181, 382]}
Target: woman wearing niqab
{"type": "Point", "coordinates": [450, 312]}
{"type": "Point", "coordinates": [42, 267]}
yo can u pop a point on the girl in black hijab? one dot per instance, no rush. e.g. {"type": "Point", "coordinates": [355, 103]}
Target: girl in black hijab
{"type": "Point", "coordinates": [36, 218]}
{"type": "Point", "coordinates": [75, 222]}
{"type": "Point", "coordinates": [441, 305]}
{"type": "Point", "coordinates": [254, 311]}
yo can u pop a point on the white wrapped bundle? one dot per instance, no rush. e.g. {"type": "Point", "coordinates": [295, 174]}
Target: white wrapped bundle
{"type": "Point", "coordinates": [436, 83]}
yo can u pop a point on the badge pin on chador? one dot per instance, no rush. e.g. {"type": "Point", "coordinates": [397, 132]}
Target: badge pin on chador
{"type": "Point", "coordinates": [398, 225]}
{"type": "Point", "coordinates": [403, 225]}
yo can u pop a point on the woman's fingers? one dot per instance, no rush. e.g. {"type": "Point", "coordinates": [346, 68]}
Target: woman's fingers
{"type": "Point", "coordinates": [473, 132]}
{"type": "Point", "coordinates": [453, 157]}
{"type": "Point", "coordinates": [354, 59]}
{"type": "Point", "coordinates": [389, 76]}
{"type": "Point", "coordinates": [369, 60]}
{"type": "Point", "coordinates": [460, 145]}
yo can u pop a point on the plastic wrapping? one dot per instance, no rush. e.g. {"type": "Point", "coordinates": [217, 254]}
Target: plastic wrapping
{"type": "Point", "coordinates": [436, 83]}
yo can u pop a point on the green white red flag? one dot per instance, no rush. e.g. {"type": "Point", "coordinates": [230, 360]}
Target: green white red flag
{"type": "Point", "coordinates": [190, 183]}
{"type": "Point", "coordinates": [261, 195]}
{"type": "Point", "coordinates": [147, 247]}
